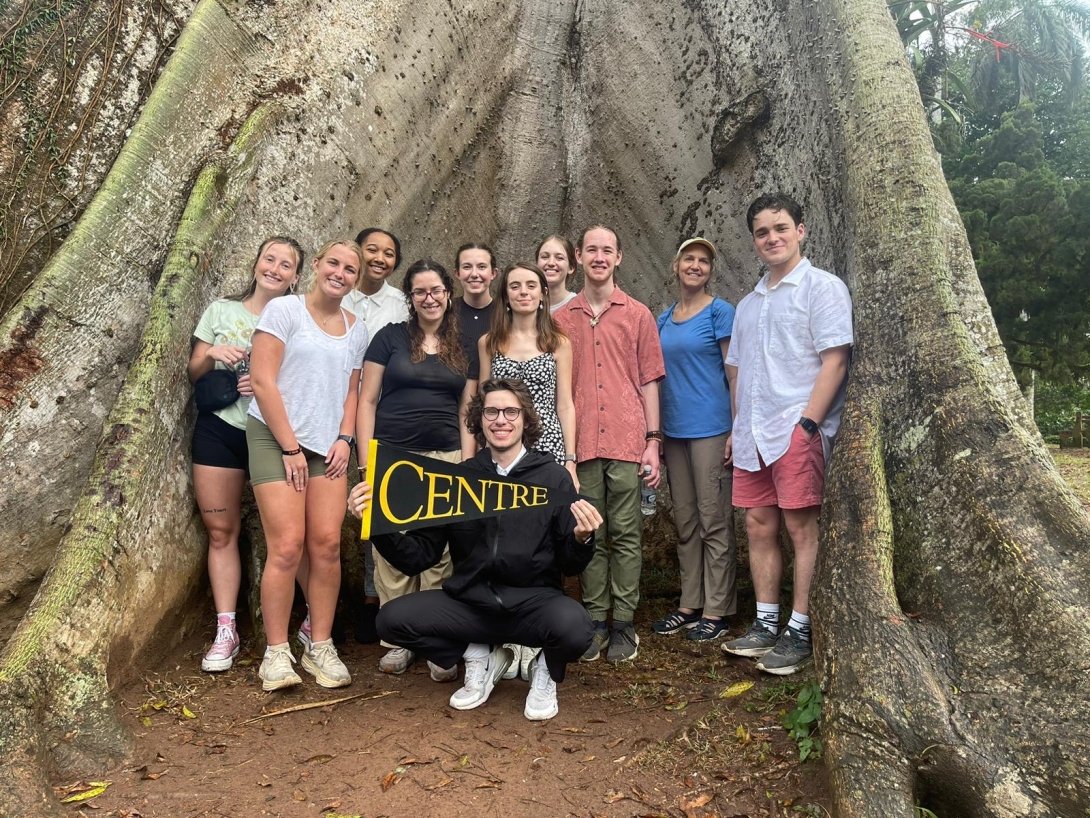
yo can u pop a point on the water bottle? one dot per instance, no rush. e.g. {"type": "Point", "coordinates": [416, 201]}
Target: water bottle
{"type": "Point", "coordinates": [649, 498]}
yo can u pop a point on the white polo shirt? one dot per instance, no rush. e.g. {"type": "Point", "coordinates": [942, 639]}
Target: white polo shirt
{"type": "Point", "coordinates": [387, 306]}
{"type": "Point", "coordinates": [778, 336]}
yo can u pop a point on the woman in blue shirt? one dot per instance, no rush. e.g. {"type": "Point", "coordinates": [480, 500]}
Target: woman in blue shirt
{"type": "Point", "coordinates": [696, 424]}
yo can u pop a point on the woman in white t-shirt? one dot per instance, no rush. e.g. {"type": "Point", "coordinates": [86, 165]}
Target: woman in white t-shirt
{"type": "Point", "coordinates": [307, 356]}
{"type": "Point", "coordinates": [220, 459]}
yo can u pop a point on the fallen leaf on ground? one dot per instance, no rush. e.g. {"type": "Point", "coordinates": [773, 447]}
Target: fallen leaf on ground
{"type": "Point", "coordinates": [389, 780]}
{"type": "Point", "coordinates": [736, 689]}
{"type": "Point", "coordinates": [88, 790]}
{"type": "Point", "coordinates": [613, 796]}
{"type": "Point", "coordinates": [321, 758]}
{"type": "Point", "coordinates": [189, 714]}
{"type": "Point", "coordinates": [298, 795]}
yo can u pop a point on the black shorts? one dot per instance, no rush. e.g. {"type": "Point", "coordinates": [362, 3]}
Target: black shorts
{"type": "Point", "coordinates": [217, 443]}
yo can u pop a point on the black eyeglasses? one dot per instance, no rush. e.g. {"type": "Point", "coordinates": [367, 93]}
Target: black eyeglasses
{"type": "Point", "coordinates": [509, 412]}
{"type": "Point", "coordinates": [434, 292]}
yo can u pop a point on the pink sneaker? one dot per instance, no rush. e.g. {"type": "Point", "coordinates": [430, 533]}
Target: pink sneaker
{"type": "Point", "coordinates": [224, 650]}
{"type": "Point", "coordinates": [304, 633]}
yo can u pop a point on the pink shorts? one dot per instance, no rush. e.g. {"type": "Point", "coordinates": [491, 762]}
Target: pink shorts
{"type": "Point", "coordinates": [796, 480]}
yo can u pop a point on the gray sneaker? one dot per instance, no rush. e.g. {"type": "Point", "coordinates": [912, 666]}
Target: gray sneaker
{"type": "Point", "coordinates": [396, 661]}
{"type": "Point", "coordinates": [624, 644]}
{"type": "Point", "coordinates": [793, 651]}
{"type": "Point", "coordinates": [757, 641]}
{"type": "Point", "coordinates": [597, 644]}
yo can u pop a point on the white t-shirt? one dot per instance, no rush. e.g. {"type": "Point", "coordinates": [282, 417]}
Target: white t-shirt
{"type": "Point", "coordinates": [314, 373]}
{"type": "Point", "coordinates": [387, 306]}
{"type": "Point", "coordinates": [777, 341]}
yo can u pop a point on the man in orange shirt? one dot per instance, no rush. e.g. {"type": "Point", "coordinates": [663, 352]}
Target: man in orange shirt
{"type": "Point", "coordinates": [617, 363]}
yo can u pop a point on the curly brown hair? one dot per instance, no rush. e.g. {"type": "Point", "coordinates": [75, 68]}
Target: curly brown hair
{"type": "Point", "coordinates": [531, 421]}
{"type": "Point", "coordinates": [451, 352]}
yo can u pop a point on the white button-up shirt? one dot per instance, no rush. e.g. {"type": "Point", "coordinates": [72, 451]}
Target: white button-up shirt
{"type": "Point", "coordinates": [387, 306]}
{"type": "Point", "coordinates": [503, 472]}
{"type": "Point", "coordinates": [778, 337]}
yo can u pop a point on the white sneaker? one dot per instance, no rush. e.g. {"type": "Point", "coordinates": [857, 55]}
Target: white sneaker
{"type": "Point", "coordinates": [443, 674]}
{"type": "Point", "coordinates": [526, 662]}
{"type": "Point", "coordinates": [541, 700]}
{"type": "Point", "coordinates": [323, 663]}
{"type": "Point", "coordinates": [396, 661]}
{"type": "Point", "coordinates": [276, 671]}
{"type": "Point", "coordinates": [516, 654]}
{"type": "Point", "coordinates": [481, 677]}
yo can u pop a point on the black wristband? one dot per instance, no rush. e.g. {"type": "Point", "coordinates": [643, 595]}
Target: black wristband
{"type": "Point", "coordinates": [351, 441]}
{"type": "Point", "coordinates": [291, 453]}
{"type": "Point", "coordinates": [808, 425]}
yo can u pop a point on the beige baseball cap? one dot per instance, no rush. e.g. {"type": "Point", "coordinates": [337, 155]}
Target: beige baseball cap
{"type": "Point", "coordinates": [691, 242]}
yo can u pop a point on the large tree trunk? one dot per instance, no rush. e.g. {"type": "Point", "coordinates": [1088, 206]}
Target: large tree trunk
{"type": "Point", "coordinates": [954, 569]}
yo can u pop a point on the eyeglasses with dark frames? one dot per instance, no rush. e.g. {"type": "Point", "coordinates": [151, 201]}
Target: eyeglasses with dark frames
{"type": "Point", "coordinates": [435, 292]}
{"type": "Point", "coordinates": [509, 412]}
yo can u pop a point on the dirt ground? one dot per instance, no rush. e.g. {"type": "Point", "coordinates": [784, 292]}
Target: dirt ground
{"type": "Point", "coordinates": [650, 738]}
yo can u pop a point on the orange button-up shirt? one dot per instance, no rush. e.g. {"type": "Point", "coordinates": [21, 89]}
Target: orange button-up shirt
{"type": "Point", "coordinates": [613, 356]}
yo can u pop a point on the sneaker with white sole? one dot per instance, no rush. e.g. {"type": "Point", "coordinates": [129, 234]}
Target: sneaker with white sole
{"type": "Point", "coordinates": [624, 644]}
{"type": "Point", "coordinates": [526, 662]}
{"type": "Point", "coordinates": [323, 663]}
{"type": "Point", "coordinates": [303, 634]}
{"type": "Point", "coordinates": [396, 661]}
{"type": "Point", "coordinates": [224, 649]}
{"type": "Point", "coordinates": [676, 621]}
{"type": "Point", "coordinates": [541, 700]}
{"type": "Point", "coordinates": [757, 641]}
{"type": "Point", "coordinates": [516, 654]}
{"type": "Point", "coordinates": [706, 630]}
{"type": "Point", "coordinates": [481, 677]}
{"type": "Point", "coordinates": [275, 670]}
{"type": "Point", "coordinates": [793, 652]}
{"type": "Point", "coordinates": [442, 674]}
{"type": "Point", "coordinates": [598, 643]}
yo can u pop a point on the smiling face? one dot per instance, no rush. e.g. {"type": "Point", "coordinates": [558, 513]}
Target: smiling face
{"type": "Point", "coordinates": [429, 296]}
{"type": "Point", "coordinates": [599, 255]}
{"type": "Point", "coordinates": [476, 272]}
{"type": "Point", "coordinates": [693, 267]}
{"type": "Point", "coordinates": [336, 270]}
{"type": "Point", "coordinates": [276, 268]}
{"type": "Point", "coordinates": [778, 240]}
{"type": "Point", "coordinates": [553, 259]}
{"type": "Point", "coordinates": [379, 257]}
{"type": "Point", "coordinates": [523, 291]}
{"type": "Point", "coordinates": [502, 435]}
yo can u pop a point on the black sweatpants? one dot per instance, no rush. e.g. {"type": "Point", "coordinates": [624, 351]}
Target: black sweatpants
{"type": "Point", "coordinates": [438, 627]}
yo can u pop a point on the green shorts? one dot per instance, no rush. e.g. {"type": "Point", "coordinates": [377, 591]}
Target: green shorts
{"type": "Point", "coordinates": [267, 458]}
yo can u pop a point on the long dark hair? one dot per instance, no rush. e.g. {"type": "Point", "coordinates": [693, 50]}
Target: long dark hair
{"type": "Point", "coordinates": [451, 352]}
{"type": "Point", "coordinates": [548, 333]}
{"type": "Point", "coordinates": [242, 295]}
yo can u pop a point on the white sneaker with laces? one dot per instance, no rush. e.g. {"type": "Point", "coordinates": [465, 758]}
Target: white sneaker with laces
{"type": "Point", "coordinates": [396, 661]}
{"type": "Point", "coordinates": [481, 677]}
{"type": "Point", "coordinates": [526, 662]}
{"type": "Point", "coordinates": [276, 671]}
{"type": "Point", "coordinates": [323, 663]}
{"type": "Point", "coordinates": [541, 700]}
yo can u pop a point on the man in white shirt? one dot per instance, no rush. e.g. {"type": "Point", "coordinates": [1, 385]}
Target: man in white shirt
{"type": "Point", "coordinates": [786, 363]}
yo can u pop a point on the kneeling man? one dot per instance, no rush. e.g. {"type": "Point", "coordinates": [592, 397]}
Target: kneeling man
{"type": "Point", "coordinates": [507, 580]}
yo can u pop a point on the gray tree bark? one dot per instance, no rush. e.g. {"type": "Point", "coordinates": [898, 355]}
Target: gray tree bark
{"type": "Point", "coordinates": [954, 561]}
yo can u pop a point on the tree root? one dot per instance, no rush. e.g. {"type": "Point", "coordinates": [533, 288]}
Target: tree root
{"type": "Point", "coordinates": [56, 714]}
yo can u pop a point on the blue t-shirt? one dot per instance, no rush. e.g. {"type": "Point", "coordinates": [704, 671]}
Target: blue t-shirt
{"type": "Point", "coordinates": [695, 399]}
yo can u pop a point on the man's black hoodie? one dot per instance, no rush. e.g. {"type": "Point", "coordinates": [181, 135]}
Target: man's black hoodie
{"type": "Point", "coordinates": [500, 561]}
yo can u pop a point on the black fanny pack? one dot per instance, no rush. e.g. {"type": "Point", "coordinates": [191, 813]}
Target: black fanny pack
{"type": "Point", "coordinates": [215, 390]}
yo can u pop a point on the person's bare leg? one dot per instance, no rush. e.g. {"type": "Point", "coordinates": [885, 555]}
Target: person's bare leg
{"type": "Point", "coordinates": [325, 510]}
{"type": "Point", "coordinates": [765, 556]}
{"type": "Point", "coordinates": [282, 518]}
{"type": "Point", "coordinates": [219, 497]}
{"type": "Point", "coordinates": [802, 527]}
